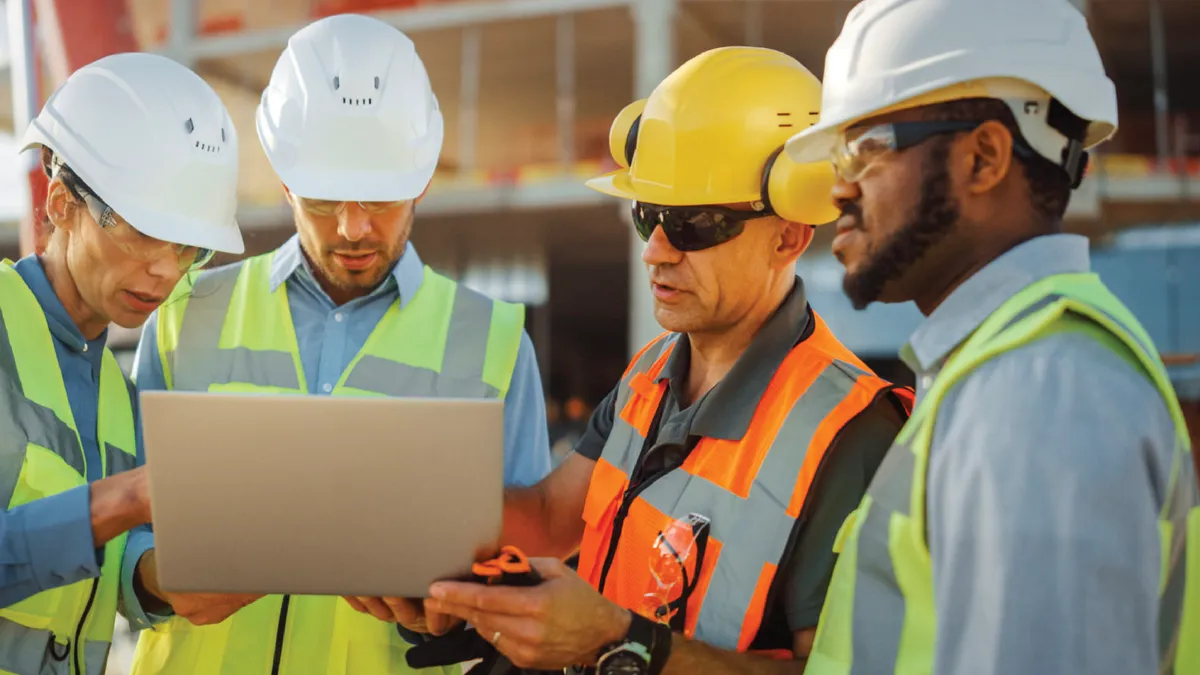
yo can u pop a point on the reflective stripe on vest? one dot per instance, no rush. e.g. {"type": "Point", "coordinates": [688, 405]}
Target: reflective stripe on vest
{"type": "Point", "coordinates": [231, 333]}
{"type": "Point", "coordinates": [752, 490]}
{"type": "Point", "coordinates": [41, 455]}
{"type": "Point", "coordinates": [447, 341]}
{"type": "Point", "coordinates": [879, 614]}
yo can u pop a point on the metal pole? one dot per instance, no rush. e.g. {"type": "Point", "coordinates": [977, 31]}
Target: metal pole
{"type": "Point", "coordinates": [1162, 106]}
{"type": "Point", "coordinates": [468, 111]}
{"type": "Point", "coordinates": [654, 56]}
{"type": "Point", "coordinates": [754, 23]}
{"type": "Point", "coordinates": [23, 73]}
{"type": "Point", "coordinates": [564, 43]}
{"type": "Point", "coordinates": [183, 32]}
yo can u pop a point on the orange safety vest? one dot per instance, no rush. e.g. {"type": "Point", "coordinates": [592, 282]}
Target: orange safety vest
{"type": "Point", "coordinates": [753, 491]}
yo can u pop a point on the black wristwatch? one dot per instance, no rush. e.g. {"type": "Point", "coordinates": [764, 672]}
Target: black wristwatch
{"type": "Point", "coordinates": [644, 650]}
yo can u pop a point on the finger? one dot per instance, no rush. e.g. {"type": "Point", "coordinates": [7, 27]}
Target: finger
{"type": "Point", "coordinates": [510, 600]}
{"type": "Point", "coordinates": [377, 608]}
{"type": "Point", "coordinates": [550, 568]}
{"type": "Point", "coordinates": [355, 604]}
{"type": "Point", "coordinates": [404, 610]}
{"type": "Point", "coordinates": [440, 624]}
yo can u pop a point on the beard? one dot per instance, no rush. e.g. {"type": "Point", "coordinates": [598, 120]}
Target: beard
{"type": "Point", "coordinates": [937, 212]}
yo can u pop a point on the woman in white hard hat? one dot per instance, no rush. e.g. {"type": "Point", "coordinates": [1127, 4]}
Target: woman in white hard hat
{"type": "Point", "coordinates": [141, 157]}
{"type": "Point", "coordinates": [1034, 515]}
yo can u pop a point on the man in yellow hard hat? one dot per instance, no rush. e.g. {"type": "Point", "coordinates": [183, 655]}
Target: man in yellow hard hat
{"type": "Point", "coordinates": [705, 497]}
{"type": "Point", "coordinates": [1040, 512]}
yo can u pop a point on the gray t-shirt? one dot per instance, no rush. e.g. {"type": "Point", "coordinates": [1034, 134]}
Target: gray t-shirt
{"type": "Point", "coordinates": [1047, 472]}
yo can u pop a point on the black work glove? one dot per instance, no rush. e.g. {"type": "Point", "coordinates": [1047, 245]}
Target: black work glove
{"type": "Point", "coordinates": [510, 568]}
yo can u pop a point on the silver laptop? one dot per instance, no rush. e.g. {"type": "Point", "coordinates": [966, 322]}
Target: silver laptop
{"type": "Point", "coordinates": [260, 493]}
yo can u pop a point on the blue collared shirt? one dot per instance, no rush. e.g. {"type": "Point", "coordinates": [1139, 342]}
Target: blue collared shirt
{"type": "Point", "coordinates": [48, 542]}
{"type": "Point", "coordinates": [329, 337]}
{"type": "Point", "coordinates": [1047, 470]}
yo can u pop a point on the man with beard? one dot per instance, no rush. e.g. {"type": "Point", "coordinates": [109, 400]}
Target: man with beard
{"type": "Point", "coordinates": [352, 128]}
{"type": "Point", "coordinates": [1039, 511]}
{"type": "Point", "coordinates": [706, 494]}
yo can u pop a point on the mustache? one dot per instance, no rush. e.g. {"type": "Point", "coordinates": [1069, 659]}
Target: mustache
{"type": "Point", "coordinates": [851, 217]}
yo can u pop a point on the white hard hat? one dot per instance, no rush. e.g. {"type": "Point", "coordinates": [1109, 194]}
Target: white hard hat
{"type": "Point", "coordinates": [154, 142]}
{"type": "Point", "coordinates": [349, 114]}
{"type": "Point", "coordinates": [1036, 55]}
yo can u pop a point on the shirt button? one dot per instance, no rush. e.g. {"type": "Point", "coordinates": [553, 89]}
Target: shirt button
{"type": "Point", "coordinates": [327, 387]}
{"type": "Point", "coordinates": [338, 317]}
{"type": "Point", "coordinates": [85, 347]}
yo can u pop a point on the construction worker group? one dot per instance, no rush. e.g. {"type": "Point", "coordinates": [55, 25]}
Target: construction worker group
{"type": "Point", "coordinates": [750, 497]}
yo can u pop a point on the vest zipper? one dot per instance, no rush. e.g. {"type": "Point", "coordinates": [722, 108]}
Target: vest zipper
{"type": "Point", "coordinates": [623, 511]}
{"type": "Point", "coordinates": [79, 629]}
{"type": "Point", "coordinates": [283, 613]}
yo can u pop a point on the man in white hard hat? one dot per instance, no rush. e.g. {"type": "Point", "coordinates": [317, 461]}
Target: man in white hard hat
{"type": "Point", "coordinates": [141, 158]}
{"type": "Point", "coordinates": [1038, 514]}
{"type": "Point", "coordinates": [346, 307]}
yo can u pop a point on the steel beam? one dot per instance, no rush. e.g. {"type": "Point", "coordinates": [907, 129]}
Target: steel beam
{"type": "Point", "coordinates": [564, 69]}
{"type": "Point", "coordinates": [654, 59]}
{"type": "Point", "coordinates": [1162, 105]}
{"type": "Point", "coordinates": [184, 20]}
{"type": "Point", "coordinates": [468, 105]}
{"type": "Point", "coordinates": [410, 20]}
{"type": "Point", "coordinates": [24, 73]}
{"type": "Point", "coordinates": [71, 34]}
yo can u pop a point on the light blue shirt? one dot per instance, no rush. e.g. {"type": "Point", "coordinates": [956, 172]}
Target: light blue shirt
{"type": "Point", "coordinates": [329, 337]}
{"type": "Point", "coordinates": [48, 542]}
{"type": "Point", "coordinates": [1047, 470]}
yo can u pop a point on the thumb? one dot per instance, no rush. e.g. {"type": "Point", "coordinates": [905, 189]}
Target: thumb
{"type": "Point", "coordinates": [550, 568]}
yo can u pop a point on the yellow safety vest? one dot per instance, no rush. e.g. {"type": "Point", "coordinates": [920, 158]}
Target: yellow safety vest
{"type": "Point", "coordinates": [43, 456]}
{"type": "Point", "coordinates": [884, 561]}
{"type": "Point", "coordinates": [231, 333]}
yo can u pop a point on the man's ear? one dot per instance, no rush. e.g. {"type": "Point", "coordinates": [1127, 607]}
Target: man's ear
{"type": "Point", "coordinates": [990, 148]}
{"type": "Point", "coordinates": [60, 205]}
{"type": "Point", "coordinates": [794, 239]}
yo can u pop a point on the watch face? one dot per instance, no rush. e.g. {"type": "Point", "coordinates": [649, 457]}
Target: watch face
{"type": "Point", "coordinates": [624, 663]}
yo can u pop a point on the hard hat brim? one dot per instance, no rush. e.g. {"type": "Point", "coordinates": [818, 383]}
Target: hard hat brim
{"type": "Point", "coordinates": [620, 184]}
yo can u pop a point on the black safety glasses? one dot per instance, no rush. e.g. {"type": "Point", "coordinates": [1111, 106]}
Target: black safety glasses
{"type": "Point", "coordinates": [692, 228]}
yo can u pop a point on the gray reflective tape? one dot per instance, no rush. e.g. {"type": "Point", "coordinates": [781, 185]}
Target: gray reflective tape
{"type": "Point", "coordinates": [891, 488]}
{"type": "Point", "coordinates": [624, 393]}
{"type": "Point", "coordinates": [390, 378]}
{"type": "Point", "coordinates": [95, 656]}
{"type": "Point", "coordinates": [781, 468]}
{"type": "Point", "coordinates": [28, 651]}
{"type": "Point", "coordinates": [42, 427]}
{"type": "Point", "coordinates": [239, 364]}
{"type": "Point", "coordinates": [117, 459]}
{"type": "Point", "coordinates": [879, 609]}
{"type": "Point", "coordinates": [200, 332]}
{"type": "Point", "coordinates": [624, 446]}
{"type": "Point", "coordinates": [1179, 503]}
{"type": "Point", "coordinates": [8, 362]}
{"type": "Point", "coordinates": [467, 336]}
{"type": "Point", "coordinates": [850, 369]}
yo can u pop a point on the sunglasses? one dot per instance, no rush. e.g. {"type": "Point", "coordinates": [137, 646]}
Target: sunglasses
{"type": "Point", "coordinates": [692, 228]}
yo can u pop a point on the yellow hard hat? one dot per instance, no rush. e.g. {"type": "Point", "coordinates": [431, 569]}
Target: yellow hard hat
{"type": "Point", "coordinates": [712, 132]}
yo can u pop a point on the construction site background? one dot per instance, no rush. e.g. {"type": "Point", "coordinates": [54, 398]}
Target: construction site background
{"type": "Point", "coordinates": [528, 89]}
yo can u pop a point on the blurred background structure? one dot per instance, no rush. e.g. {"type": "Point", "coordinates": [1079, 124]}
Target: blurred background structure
{"type": "Point", "coordinates": [529, 88]}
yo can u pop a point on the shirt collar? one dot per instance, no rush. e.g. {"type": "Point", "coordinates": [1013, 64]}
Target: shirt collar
{"type": "Point", "coordinates": [62, 326]}
{"type": "Point", "coordinates": [406, 278]}
{"type": "Point", "coordinates": [727, 410]}
{"type": "Point", "coordinates": [966, 308]}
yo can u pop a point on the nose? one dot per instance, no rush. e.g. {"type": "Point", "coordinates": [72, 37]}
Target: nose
{"type": "Point", "coordinates": [659, 250]}
{"type": "Point", "coordinates": [353, 222]}
{"type": "Point", "coordinates": [844, 192]}
{"type": "Point", "coordinates": [165, 265]}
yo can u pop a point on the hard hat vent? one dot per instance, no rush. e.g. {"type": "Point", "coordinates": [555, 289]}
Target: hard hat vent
{"type": "Point", "coordinates": [357, 101]}
{"type": "Point", "coordinates": [785, 119]}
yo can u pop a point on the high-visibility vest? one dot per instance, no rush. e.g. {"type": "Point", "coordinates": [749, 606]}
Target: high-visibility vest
{"type": "Point", "coordinates": [231, 333]}
{"type": "Point", "coordinates": [753, 491]}
{"type": "Point", "coordinates": [69, 629]}
{"type": "Point", "coordinates": [884, 561]}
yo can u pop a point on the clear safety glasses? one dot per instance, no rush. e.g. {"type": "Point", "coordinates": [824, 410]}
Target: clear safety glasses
{"type": "Point", "coordinates": [324, 207]}
{"type": "Point", "coordinates": [132, 242]}
{"type": "Point", "coordinates": [858, 147]}
{"type": "Point", "coordinates": [675, 564]}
